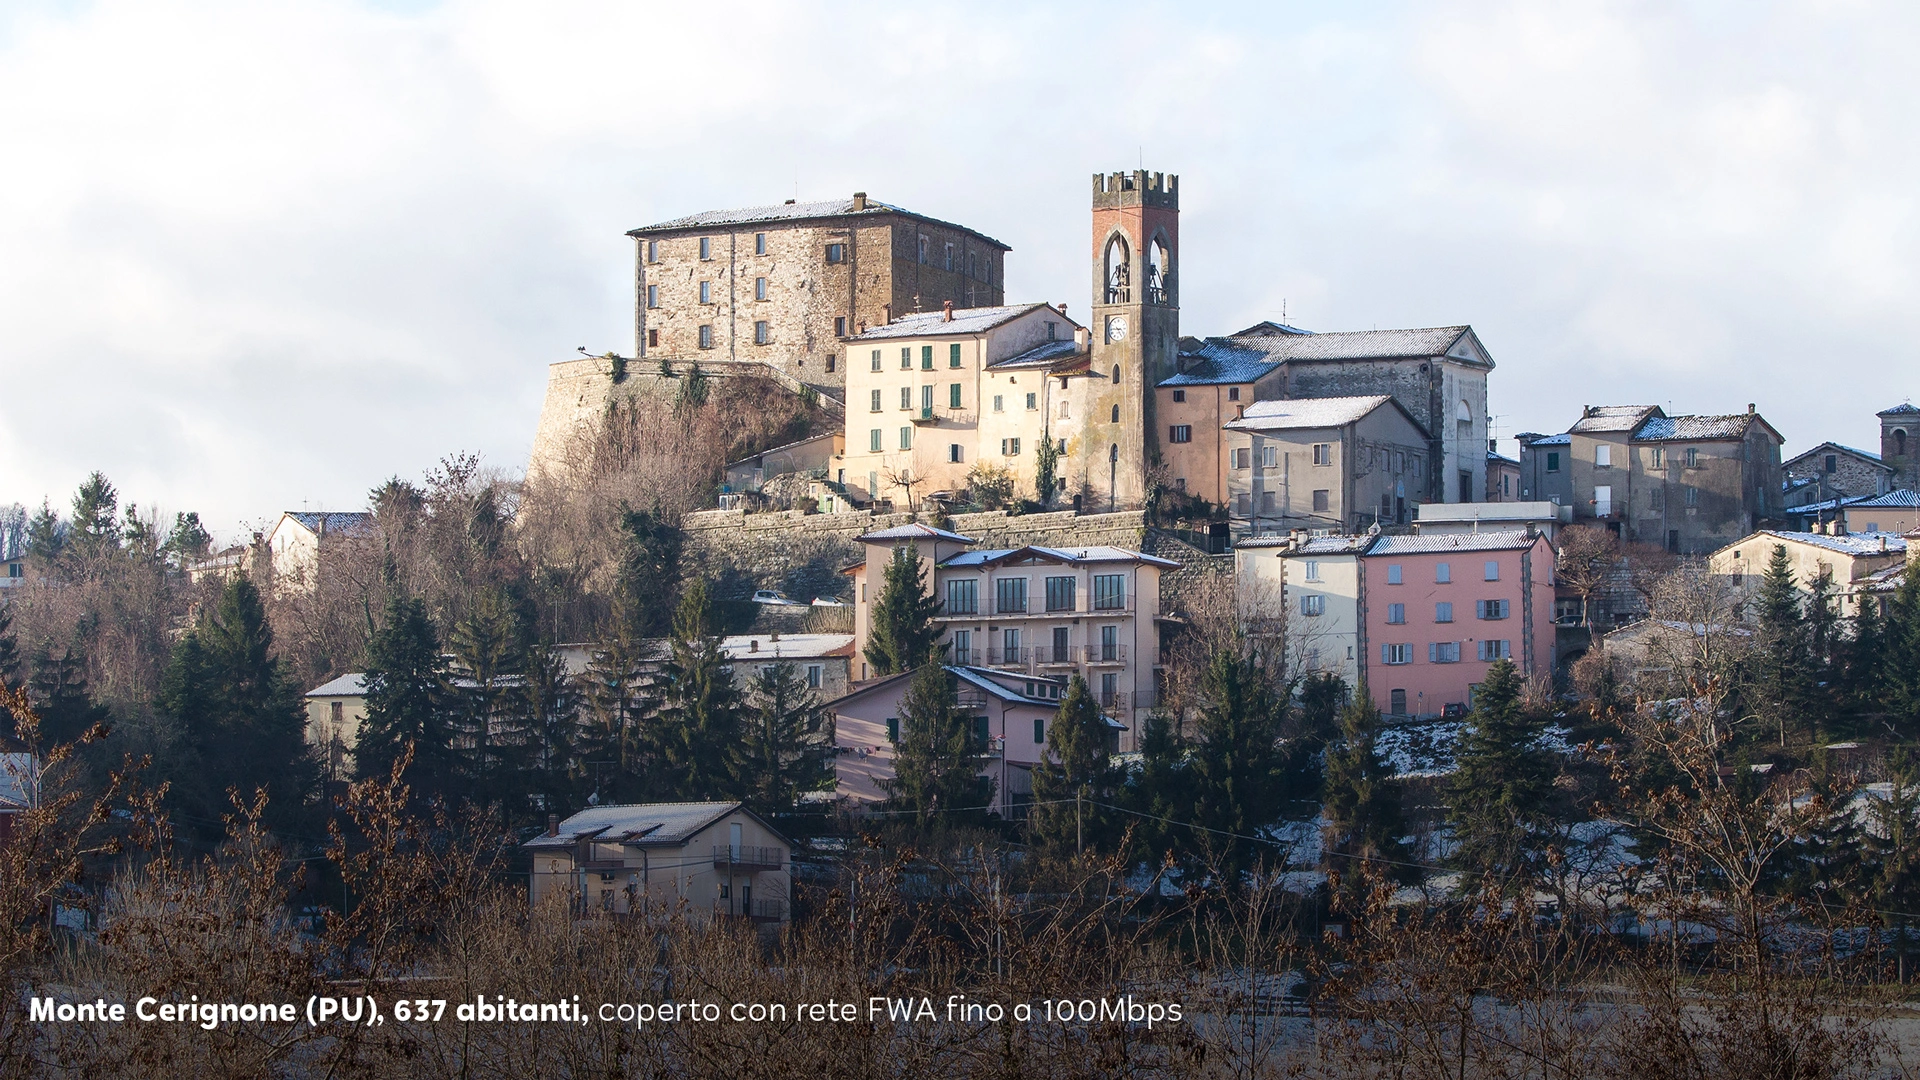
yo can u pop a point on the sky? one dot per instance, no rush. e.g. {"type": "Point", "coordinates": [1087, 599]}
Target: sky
{"type": "Point", "coordinates": [262, 255]}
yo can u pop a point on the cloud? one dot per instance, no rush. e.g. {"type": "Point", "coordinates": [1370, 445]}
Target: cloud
{"type": "Point", "coordinates": [266, 254]}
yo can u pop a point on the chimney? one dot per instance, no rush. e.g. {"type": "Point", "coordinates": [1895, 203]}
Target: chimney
{"type": "Point", "coordinates": [946, 311]}
{"type": "Point", "coordinates": [789, 202]}
{"type": "Point", "coordinates": [1079, 336]}
{"type": "Point", "coordinates": [859, 200]}
{"type": "Point", "coordinates": [753, 644]}
{"type": "Point", "coordinates": [863, 326]}
{"type": "Point", "coordinates": [1749, 408]}
{"type": "Point", "coordinates": [553, 824]}
{"type": "Point", "coordinates": [886, 313]}
{"type": "Point", "coordinates": [1063, 309]}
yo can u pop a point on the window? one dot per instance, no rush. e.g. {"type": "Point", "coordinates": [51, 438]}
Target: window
{"type": "Point", "coordinates": [873, 488]}
{"type": "Point", "coordinates": [1323, 453]}
{"type": "Point", "coordinates": [876, 401]}
{"type": "Point", "coordinates": [1397, 654]}
{"type": "Point", "coordinates": [1603, 456]}
{"type": "Point", "coordinates": [1494, 609]}
{"type": "Point", "coordinates": [926, 400]}
{"type": "Point", "coordinates": [1313, 570]}
{"type": "Point", "coordinates": [1269, 457]}
{"type": "Point", "coordinates": [923, 250]}
{"type": "Point", "coordinates": [1492, 571]}
{"type": "Point", "coordinates": [653, 339]}
{"type": "Point", "coordinates": [1116, 373]}
{"type": "Point", "coordinates": [1443, 652]}
{"type": "Point", "coordinates": [1233, 393]}
{"type": "Point", "coordinates": [1553, 461]}
{"type": "Point", "coordinates": [706, 336]}
{"type": "Point", "coordinates": [906, 438]}
{"type": "Point", "coordinates": [962, 646]}
{"type": "Point", "coordinates": [996, 404]}
{"type": "Point", "coordinates": [1657, 499]}
{"type": "Point", "coordinates": [815, 675]}
{"type": "Point", "coordinates": [953, 453]}
{"type": "Point", "coordinates": [926, 358]}
{"type": "Point", "coordinates": [760, 293]}
{"type": "Point", "coordinates": [653, 296]}
{"type": "Point", "coordinates": [953, 395]}
{"type": "Point", "coordinates": [653, 251]}
{"type": "Point", "coordinates": [1109, 646]}
{"type": "Point", "coordinates": [906, 358]}
{"type": "Point", "coordinates": [836, 253]}
{"type": "Point", "coordinates": [1033, 402]}
{"type": "Point", "coordinates": [1396, 614]}
{"type": "Point", "coordinates": [1693, 457]}
{"type": "Point", "coordinates": [1109, 687]}
{"type": "Point", "coordinates": [761, 334]}
{"type": "Point", "coordinates": [876, 359]}
{"type": "Point", "coordinates": [1060, 593]}
{"type": "Point", "coordinates": [1313, 604]}
{"type": "Point", "coordinates": [953, 355]}
{"type": "Point", "coordinates": [893, 729]}
{"type": "Point", "coordinates": [1495, 650]}
{"type": "Point", "coordinates": [1062, 646]}
{"type": "Point", "coordinates": [1393, 574]}
{"type": "Point", "coordinates": [1116, 414]}
{"type": "Point", "coordinates": [1656, 457]}
{"type": "Point", "coordinates": [1242, 457]}
{"type": "Point", "coordinates": [1833, 463]}
{"type": "Point", "coordinates": [1066, 413]}
{"type": "Point", "coordinates": [1242, 504]}
{"type": "Point", "coordinates": [1693, 495]}
{"type": "Point", "coordinates": [873, 444]}
{"type": "Point", "coordinates": [963, 596]}
{"type": "Point", "coordinates": [759, 243]}
{"type": "Point", "coordinates": [1009, 447]}
{"type": "Point", "coordinates": [1443, 573]}
{"type": "Point", "coordinates": [1039, 730]}
{"type": "Point", "coordinates": [1443, 611]}
{"type": "Point", "coordinates": [1322, 499]}
{"type": "Point", "coordinates": [706, 292]}
{"type": "Point", "coordinates": [906, 397]}
{"type": "Point", "coordinates": [706, 247]}
{"type": "Point", "coordinates": [1010, 594]}
{"type": "Point", "coordinates": [1109, 592]}
{"type": "Point", "coordinates": [1180, 433]}
{"type": "Point", "coordinates": [1179, 395]}
{"type": "Point", "coordinates": [1266, 502]}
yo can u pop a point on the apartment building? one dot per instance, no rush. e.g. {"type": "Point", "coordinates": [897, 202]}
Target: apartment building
{"type": "Point", "coordinates": [1341, 463]}
{"type": "Point", "coordinates": [1306, 591]}
{"type": "Point", "coordinates": [1437, 611]}
{"type": "Point", "coordinates": [1213, 383]}
{"type": "Point", "coordinates": [719, 859]}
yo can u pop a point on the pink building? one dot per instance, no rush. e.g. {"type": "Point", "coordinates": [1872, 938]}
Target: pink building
{"type": "Point", "coordinates": [1437, 611]}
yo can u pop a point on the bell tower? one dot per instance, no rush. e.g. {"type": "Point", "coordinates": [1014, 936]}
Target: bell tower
{"type": "Point", "coordinates": [1135, 328]}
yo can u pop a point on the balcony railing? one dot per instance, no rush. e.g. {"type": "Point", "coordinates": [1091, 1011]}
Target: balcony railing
{"type": "Point", "coordinates": [1010, 658]}
{"type": "Point", "coordinates": [749, 858]}
{"type": "Point", "coordinates": [1106, 654]}
{"type": "Point", "coordinates": [768, 911]}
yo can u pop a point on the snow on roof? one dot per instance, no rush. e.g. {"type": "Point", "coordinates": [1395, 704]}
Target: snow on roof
{"type": "Point", "coordinates": [1562, 439]}
{"type": "Point", "coordinates": [1861, 543]}
{"type": "Point", "coordinates": [1439, 544]}
{"type": "Point", "coordinates": [1842, 447]}
{"type": "Point", "coordinates": [786, 646]}
{"type": "Point", "coordinates": [796, 211]}
{"type": "Point", "coordinates": [1901, 409]}
{"type": "Point", "coordinates": [1353, 344]}
{"type": "Point", "coordinates": [1900, 497]}
{"type": "Point", "coordinates": [974, 320]}
{"type": "Point", "coordinates": [980, 677]}
{"type": "Point", "coordinates": [350, 522]}
{"type": "Point", "coordinates": [1045, 354]}
{"type": "Point", "coordinates": [16, 780]}
{"type": "Point", "coordinates": [641, 824]}
{"type": "Point", "coordinates": [1099, 553]}
{"type": "Point", "coordinates": [911, 531]}
{"type": "Point", "coordinates": [349, 685]}
{"type": "Point", "coordinates": [1609, 418]}
{"type": "Point", "coordinates": [1303, 413]}
{"type": "Point", "coordinates": [1664, 428]}
{"type": "Point", "coordinates": [1495, 455]}
{"type": "Point", "coordinates": [1219, 361]}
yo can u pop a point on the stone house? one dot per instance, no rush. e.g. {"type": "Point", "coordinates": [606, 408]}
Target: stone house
{"type": "Point", "coordinates": [1093, 611]}
{"type": "Point", "coordinates": [1212, 383]}
{"type": "Point", "coordinates": [932, 396]}
{"type": "Point", "coordinates": [1011, 713]}
{"type": "Point", "coordinates": [715, 859]}
{"type": "Point", "coordinates": [1851, 560]}
{"type": "Point", "coordinates": [1437, 611]}
{"type": "Point", "coordinates": [809, 457]}
{"type": "Point", "coordinates": [1306, 590]}
{"type": "Point", "coordinates": [1341, 463]}
{"type": "Point", "coordinates": [782, 285]}
{"type": "Point", "coordinates": [1686, 483]}
{"type": "Point", "coordinates": [1900, 445]}
{"type": "Point", "coordinates": [1834, 471]}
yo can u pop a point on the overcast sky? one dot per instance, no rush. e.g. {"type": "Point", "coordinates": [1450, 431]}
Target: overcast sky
{"type": "Point", "coordinates": [261, 255]}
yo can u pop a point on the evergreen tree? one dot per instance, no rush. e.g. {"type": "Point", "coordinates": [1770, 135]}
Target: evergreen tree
{"type": "Point", "coordinates": [938, 756]}
{"type": "Point", "coordinates": [58, 687]}
{"type": "Point", "coordinates": [189, 540]}
{"type": "Point", "coordinates": [1362, 802]}
{"type": "Point", "coordinates": [787, 741]}
{"type": "Point", "coordinates": [698, 729]}
{"type": "Point", "coordinates": [9, 653]}
{"type": "Point", "coordinates": [96, 512]}
{"type": "Point", "coordinates": [901, 627]}
{"type": "Point", "coordinates": [1046, 470]}
{"type": "Point", "coordinates": [1780, 690]}
{"type": "Point", "coordinates": [1237, 764]}
{"type": "Point", "coordinates": [613, 763]}
{"type": "Point", "coordinates": [1862, 686]}
{"type": "Point", "coordinates": [1321, 699]}
{"type": "Point", "coordinates": [1159, 790]}
{"type": "Point", "coordinates": [406, 700]}
{"type": "Point", "coordinates": [1900, 662]}
{"type": "Point", "coordinates": [1890, 851]}
{"type": "Point", "coordinates": [488, 719]}
{"type": "Point", "coordinates": [46, 534]}
{"type": "Point", "coordinates": [1075, 772]}
{"type": "Point", "coordinates": [552, 711]}
{"type": "Point", "coordinates": [237, 713]}
{"type": "Point", "coordinates": [1502, 786]}
{"type": "Point", "coordinates": [649, 570]}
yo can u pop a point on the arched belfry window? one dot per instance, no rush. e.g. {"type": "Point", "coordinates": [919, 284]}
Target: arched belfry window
{"type": "Point", "coordinates": [1113, 452]}
{"type": "Point", "coordinates": [1899, 442]}
{"type": "Point", "coordinates": [1465, 412]}
{"type": "Point", "coordinates": [1116, 414]}
{"type": "Point", "coordinates": [1118, 276]}
{"type": "Point", "coordinates": [1159, 272]}
{"type": "Point", "coordinates": [1116, 373]}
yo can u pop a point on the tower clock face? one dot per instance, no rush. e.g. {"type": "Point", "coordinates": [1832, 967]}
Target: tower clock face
{"type": "Point", "coordinates": [1116, 328]}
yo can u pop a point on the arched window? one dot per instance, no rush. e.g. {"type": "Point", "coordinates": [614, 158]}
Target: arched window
{"type": "Point", "coordinates": [1159, 272]}
{"type": "Point", "coordinates": [1113, 452]}
{"type": "Point", "coordinates": [1465, 412]}
{"type": "Point", "coordinates": [1116, 373]}
{"type": "Point", "coordinates": [1899, 442]}
{"type": "Point", "coordinates": [1116, 414]}
{"type": "Point", "coordinates": [1117, 275]}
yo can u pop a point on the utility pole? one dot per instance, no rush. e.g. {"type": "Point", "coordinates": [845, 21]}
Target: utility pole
{"type": "Point", "coordinates": [1079, 847]}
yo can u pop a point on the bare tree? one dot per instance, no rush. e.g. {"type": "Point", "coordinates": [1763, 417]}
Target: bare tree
{"type": "Point", "coordinates": [1588, 560]}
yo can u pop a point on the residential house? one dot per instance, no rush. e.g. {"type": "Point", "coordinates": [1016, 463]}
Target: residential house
{"type": "Point", "coordinates": [1503, 477]}
{"type": "Point", "coordinates": [1343, 463]}
{"type": "Point", "coordinates": [336, 710]}
{"type": "Point", "coordinates": [1213, 382]}
{"type": "Point", "coordinates": [712, 859]}
{"type": "Point", "coordinates": [932, 395]}
{"type": "Point", "coordinates": [1686, 483]}
{"type": "Point", "coordinates": [1544, 517]}
{"type": "Point", "coordinates": [1850, 560]}
{"type": "Point", "coordinates": [1011, 713]}
{"type": "Point", "coordinates": [1437, 611]}
{"type": "Point", "coordinates": [19, 785]}
{"type": "Point", "coordinates": [297, 540]}
{"type": "Point", "coordinates": [1306, 589]}
{"type": "Point", "coordinates": [809, 457]}
{"type": "Point", "coordinates": [1894, 512]}
{"type": "Point", "coordinates": [1838, 472]}
{"type": "Point", "coordinates": [223, 564]}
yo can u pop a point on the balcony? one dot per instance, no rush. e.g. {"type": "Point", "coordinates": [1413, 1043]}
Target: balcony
{"type": "Point", "coordinates": [925, 416]}
{"type": "Point", "coordinates": [1106, 654]}
{"type": "Point", "coordinates": [1016, 659]}
{"type": "Point", "coordinates": [749, 859]}
{"type": "Point", "coordinates": [768, 911]}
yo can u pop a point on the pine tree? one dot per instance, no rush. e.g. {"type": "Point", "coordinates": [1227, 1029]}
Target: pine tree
{"type": "Point", "coordinates": [787, 741]}
{"type": "Point", "coordinates": [58, 687]}
{"type": "Point", "coordinates": [1075, 773]}
{"type": "Point", "coordinates": [1046, 470]}
{"type": "Point", "coordinates": [649, 570]}
{"type": "Point", "coordinates": [1900, 661]}
{"type": "Point", "coordinates": [189, 540]}
{"type": "Point", "coordinates": [614, 761]}
{"type": "Point", "coordinates": [1890, 851]}
{"type": "Point", "coordinates": [1502, 787]}
{"type": "Point", "coordinates": [551, 707]}
{"type": "Point", "coordinates": [938, 756]}
{"type": "Point", "coordinates": [1362, 802]}
{"type": "Point", "coordinates": [1237, 764]}
{"type": "Point", "coordinates": [46, 534]}
{"type": "Point", "coordinates": [698, 728]}
{"type": "Point", "coordinates": [901, 627]}
{"type": "Point", "coordinates": [96, 512]}
{"type": "Point", "coordinates": [1781, 687]}
{"type": "Point", "coordinates": [1159, 790]}
{"type": "Point", "coordinates": [1862, 683]}
{"type": "Point", "coordinates": [9, 655]}
{"type": "Point", "coordinates": [406, 700]}
{"type": "Point", "coordinates": [488, 719]}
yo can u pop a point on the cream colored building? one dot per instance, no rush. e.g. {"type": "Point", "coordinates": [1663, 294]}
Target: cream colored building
{"type": "Point", "coordinates": [1851, 559]}
{"type": "Point", "coordinates": [297, 539]}
{"type": "Point", "coordinates": [1306, 589]}
{"type": "Point", "coordinates": [932, 395]}
{"type": "Point", "coordinates": [336, 710]}
{"type": "Point", "coordinates": [1344, 464]}
{"type": "Point", "coordinates": [712, 859]}
{"type": "Point", "coordinates": [1894, 512]}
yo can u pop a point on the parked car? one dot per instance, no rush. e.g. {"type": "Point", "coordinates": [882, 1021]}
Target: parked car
{"type": "Point", "coordinates": [770, 596]}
